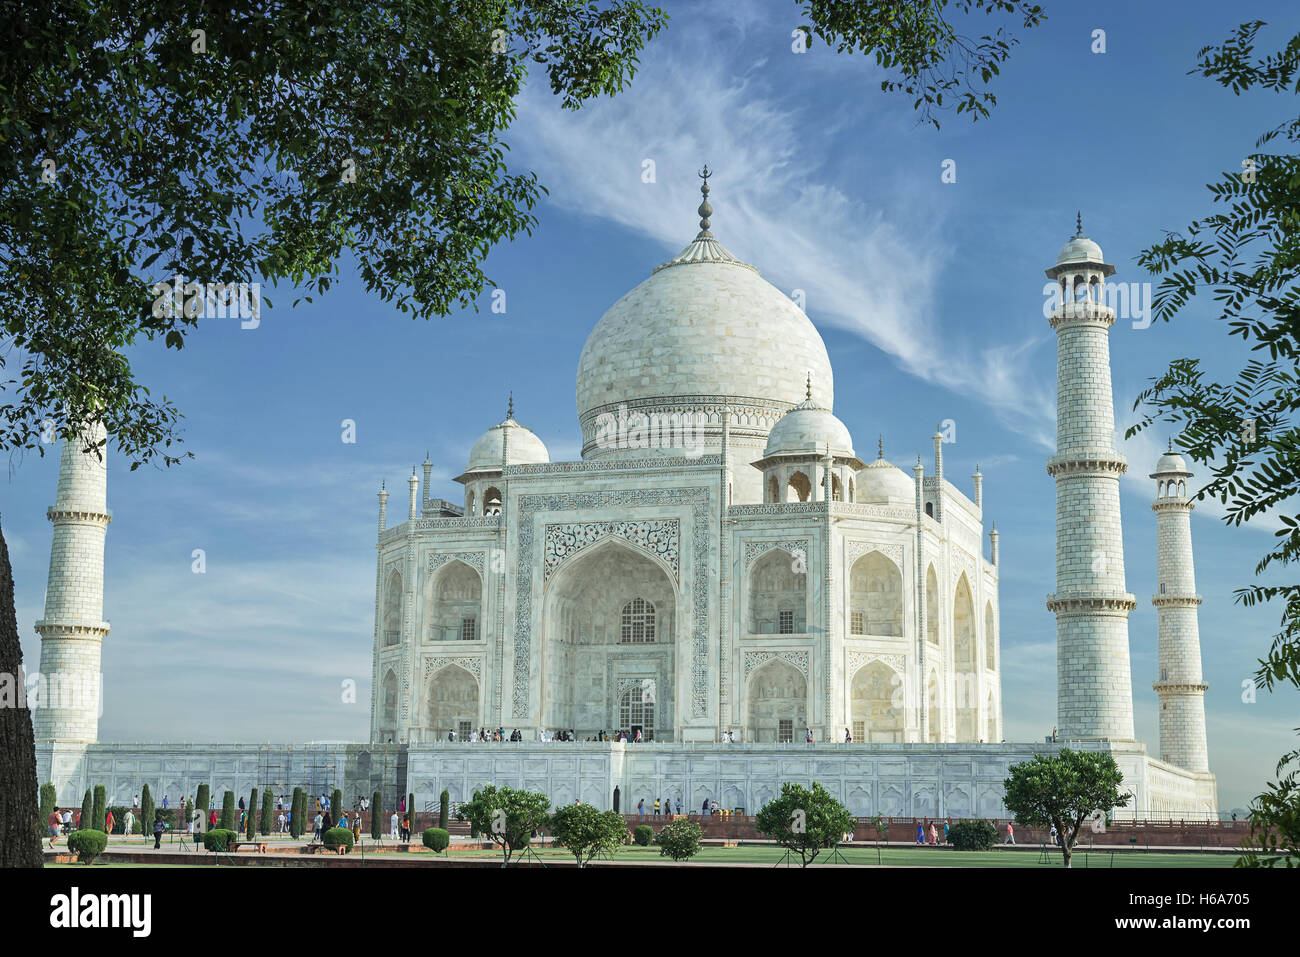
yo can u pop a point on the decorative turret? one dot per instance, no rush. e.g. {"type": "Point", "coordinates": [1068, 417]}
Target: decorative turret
{"type": "Point", "coordinates": [414, 484]}
{"type": "Point", "coordinates": [428, 474]}
{"type": "Point", "coordinates": [1094, 692]}
{"type": "Point", "coordinates": [73, 629]}
{"type": "Point", "coordinates": [383, 507]}
{"type": "Point", "coordinates": [993, 545]}
{"type": "Point", "coordinates": [938, 473]}
{"type": "Point", "coordinates": [1180, 685]}
{"type": "Point", "coordinates": [978, 479]}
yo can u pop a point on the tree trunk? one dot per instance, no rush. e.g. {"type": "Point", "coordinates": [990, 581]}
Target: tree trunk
{"type": "Point", "coordinates": [20, 842]}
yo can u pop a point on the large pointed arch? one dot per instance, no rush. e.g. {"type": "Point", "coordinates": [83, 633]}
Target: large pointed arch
{"type": "Point", "coordinates": [393, 609]}
{"type": "Point", "coordinates": [965, 666]}
{"type": "Point", "coordinates": [777, 693]}
{"type": "Point", "coordinates": [453, 603]}
{"type": "Point", "coordinates": [931, 606]}
{"type": "Point", "coordinates": [875, 596]}
{"type": "Point", "coordinates": [778, 594]}
{"type": "Point", "coordinates": [451, 701]}
{"type": "Point", "coordinates": [877, 712]}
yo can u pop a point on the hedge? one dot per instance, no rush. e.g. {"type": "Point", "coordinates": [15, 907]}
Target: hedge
{"type": "Point", "coordinates": [250, 816]}
{"type": "Point", "coordinates": [444, 805]}
{"type": "Point", "coordinates": [87, 844]}
{"type": "Point", "coordinates": [99, 810]}
{"type": "Point", "coordinates": [146, 807]}
{"type": "Point", "coordinates": [436, 839]}
{"type": "Point", "coordinates": [377, 816]}
{"type": "Point", "coordinates": [85, 822]}
{"type": "Point", "coordinates": [295, 814]}
{"type": "Point", "coordinates": [972, 835]}
{"type": "Point", "coordinates": [337, 836]}
{"type": "Point", "coordinates": [219, 839]}
{"type": "Point", "coordinates": [643, 834]}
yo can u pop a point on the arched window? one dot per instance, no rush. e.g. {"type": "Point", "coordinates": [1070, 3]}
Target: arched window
{"type": "Point", "coordinates": [388, 713]}
{"type": "Point", "coordinates": [453, 611]}
{"type": "Point", "coordinates": [492, 500]}
{"type": "Point", "coordinates": [393, 609]}
{"type": "Point", "coordinates": [929, 509]}
{"type": "Point", "coordinates": [875, 597]}
{"type": "Point", "coordinates": [931, 606]}
{"type": "Point", "coordinates": [638, 626]}
{"type": "Point", "coordinates": [636, 708]}
{"type": "Point", "coordinates": [777, 594]}
{"type": "Point", "coordinates": [469, 502]}
{"type": "Point", "coordinates": [799, 488]}
{"type": "Point", "coordinates": [964, 649]}
{"type": "Point", "coordinates": [990, 661]}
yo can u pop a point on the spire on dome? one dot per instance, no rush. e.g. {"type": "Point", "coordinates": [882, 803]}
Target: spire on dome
{"type": "Point", "coordinates": [807, 394]}
{"type": "Point", "coordinates": [1078, 224]}
{"type": "Point", "coordinates": [705, 209]}
{"type": "Point", "coordinates": [510, 409]}
{"type": "Point", "coordinates": [880, 446]}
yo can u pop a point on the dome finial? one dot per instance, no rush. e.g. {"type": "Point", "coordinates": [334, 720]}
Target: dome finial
{"type": "Point", "coordinates": [705, 209]}
{"type": "Point", "coordinates": [510, 407]}
{"type": "Point", "coordinates": [807, 392]}
{"type": "Point", "coordinates": [880, 446]}
{"type": "Point", "coordinates": [1078, 224]}
{"type": "Point", "coordinates": [1171, 443]}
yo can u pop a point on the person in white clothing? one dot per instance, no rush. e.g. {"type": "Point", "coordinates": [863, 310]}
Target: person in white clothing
{"type": "Point", "coordinates": [392, 822]}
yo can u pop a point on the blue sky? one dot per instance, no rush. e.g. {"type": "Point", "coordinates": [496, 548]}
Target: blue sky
{"type": "Point", "coordinates": [928, 295]}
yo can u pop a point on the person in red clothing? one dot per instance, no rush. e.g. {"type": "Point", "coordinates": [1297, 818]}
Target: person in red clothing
{"type": "Point", "coordinates": [212, 819]}
{"type": "Point", "coordinates": [108, 823]}
{"type": "Point", "coordinates": [55, 824]}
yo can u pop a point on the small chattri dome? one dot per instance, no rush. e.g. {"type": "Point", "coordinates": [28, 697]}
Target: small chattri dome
{"type": "Point", "coordinates": [808, 429]}
{"type": "Point", "coordinates": [523, 447]}
{"type": "Point", "coordinates": [881, 483]}
{"type": "Point", "coordinates": [1079, 248]}
{"type": "Point", "coordinates": [1171, 463]}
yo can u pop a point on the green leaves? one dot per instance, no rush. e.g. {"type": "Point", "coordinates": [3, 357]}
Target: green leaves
{"type": "Point", "coordinates": [1063, 790]}
{"type": "Point", "coordinates": [225, 166]}
{"type": "Point", "coordinates": [923, 47]}
{"type": "Point", "coordinates": [804, 821]}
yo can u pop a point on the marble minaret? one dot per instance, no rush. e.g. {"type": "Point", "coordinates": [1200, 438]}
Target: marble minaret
{"type": "Point", "coordinates": [1094, 692]}
{"type": "Point", "coordinates": [1180, 685]}
{"type": "Point", "coordinates": [73, 630]}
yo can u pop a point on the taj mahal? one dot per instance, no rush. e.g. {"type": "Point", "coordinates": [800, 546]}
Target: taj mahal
{"type": "Point", "coordinates": [722, 577]}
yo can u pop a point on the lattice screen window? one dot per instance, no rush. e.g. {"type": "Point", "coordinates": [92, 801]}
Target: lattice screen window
{"type": "Point", "coordinates": [786, 623]}
{"type": "Point", "coordinates": [638, 622]}
{"type": "Point", "coordinates": [785, 730]}
{"type": "Point", "coordinates": [462, 730]}
{"type": "Point", "coordinates": [859, 731]}
{"type": "Point", "coordinates": [468, 629]}
{"type": "Point", "coordinates": [857, 623]}
{"type": "Point", "coordinates": [636, 708]}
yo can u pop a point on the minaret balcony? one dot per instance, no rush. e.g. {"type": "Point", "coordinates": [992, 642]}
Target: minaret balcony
{"type": "Point", "coordinates": [1176, 601]}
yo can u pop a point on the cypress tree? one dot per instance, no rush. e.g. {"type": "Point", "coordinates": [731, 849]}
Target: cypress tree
{"type": "Point", "coordinates": [267, 824]}
{"type": "Point", "coordinates": [201, 802]}
{"type": "Point", "coordinates": [49, 801]}
{"type": "Point", "coordinates": [250, 816]}
{"type": "Point", "coordinates": [229, 822]}
{"type": "Point", "coordinates": [410, 808]}
{"type": "Point", "coordinates": [336, 804]}
{"type": "Point", "coordinates": [295, 814]}
{"type": "Point", "coordinates": [377, 816]}
{"type": "Point", "coordinates": [99, 809]}
{"type": "Point", "coordinates": [444, 806]}
{"type": "Point", "coordinates": [87, 811]}
{"type": "Point", "coordinates": [146, 810]}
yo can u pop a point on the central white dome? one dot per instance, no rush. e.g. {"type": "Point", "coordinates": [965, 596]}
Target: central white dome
{"type": "Point", "coordinates": [703, 327]}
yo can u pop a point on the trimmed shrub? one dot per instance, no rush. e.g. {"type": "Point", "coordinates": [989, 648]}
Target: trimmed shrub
{"type": "Point", "coordinates": [87, 813]}
{"type": "Point", "coordinates": [444, 805]}
{"type": "Point", "coordinates": [87, 844]}
{"type": "Point", "coordinates": [250, 816]}
{"type": "Point", "coordinates": [203, 799]}
{"type": "Point", "coordinates": [99, 809]}
{"type": "Point", "coordinates": [337, 836]}
{"type": "Point", "coordinates": [436, 839]}
{"type": "Point", "coordinates": [410, 808]}
{"type": "Point", "coordinates": [679, 839]}
{"type": "Point", "coordinates": [146, 806]}
{"type": "Point", "coordinates": [229, 819]}
{"type": "Point", "coordinates": [376, 815]}
{"type": "Point", "coordinates": [643, 834]}
{"type": "Point", "coordinates": [219, 839]}
{"type": "Point", "coordinates": [295, 814]}
{"type": "Point", "coordinates": [972, 835]}
{"type": "Point", "coordinates": [267, 824]}
{"type": "Point", "coordinates": [336, 804]}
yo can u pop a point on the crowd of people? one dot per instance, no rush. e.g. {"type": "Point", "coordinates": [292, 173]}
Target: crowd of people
{"type": "Point", "coordinates": [483, 735]}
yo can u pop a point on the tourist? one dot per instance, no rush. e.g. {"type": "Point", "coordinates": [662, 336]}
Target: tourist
{"type": "Point", "coordinates": [392, 822]}
{"type": "Point", "coordinates": [165, 800]}
{"type": "Point", "coordinates": [108, 822]}
{"type": "Point", "coordinates": [326, 824]}
{"type": "Point", "coordinates": [279, 802]}
{"type": "Point", "coordinates": [656, 807]}
{"type": "Point", "coordinates": [945, 832]}
{"type": "Point", "coordinates": [158, 828]}
{"type": "Point", "coordinates": [76, 825]}
{"type": "Point", "coordinates": [281, 822]}
{"type": "Point", "coordinates": [934, 835]}
{"type": "Point", "coordinates": [406, 829]}
{"type": "Point", "coordinates": [55, 824]}
{"type": "Point", "coordinates": [920, 834]}
{"type": "Point", "coordinates": [848, 738]}
{"type": "Point", "coordinates": [640, 807]}
{"type": "Point", "coordinates": [135, 801]}
{"type": "Point", "coordinates": [1011, 835]}
{"type": "Point", "coordinates": [679, 805]}
{"type": "Point", "coordinates": [318, 822]}
{"type": "Point", "coordinates": [128, 823]}
{"type": "Point", "coordinates": [343, 821]}
{"type": "Point", "coordinates": [807, 735]}
{"type": "Point", "coordinates": [1051, 835]}
{"type": "Point", "coordinates": [704, 808]}
{"type": "Point", "coordinates": [212, 819]}
{"type": "Point", "coordinates": [356, 828]}
{"type": "Point", "coordinates": [67, 822]}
